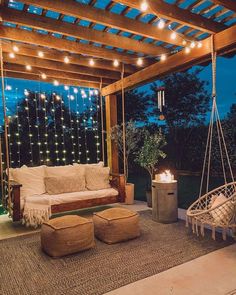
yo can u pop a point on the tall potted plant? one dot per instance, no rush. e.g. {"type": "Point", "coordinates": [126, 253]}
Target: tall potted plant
{"type": "Point", "coordinates": [149, 155]}
{"type": "Point", "coordinates": [132, 138]}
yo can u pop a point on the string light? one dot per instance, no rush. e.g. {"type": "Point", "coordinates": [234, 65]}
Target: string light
{"type": "Point", "coordinates": [75, 90]}
{"type": "Point", "coordinates": [163, 57]}
{"type": "Point", "coordinates": [26, 92]}
{"type": "Point", "coordinates": [40, 54]}
{"type": "Point", "coordinates": [42, 95]}
{"type": "Point", "coordinates": [77, 123]}
{"type": "Point", "coordinates": [144, 6]}
{"type": "Point", "coordinates": [192, 44]}
{"type": "Point", "coordinates": [184, 42]}
{"type": "Point", "coordinates": [44, 76]}
{"type": "Point", "coordinates": [58, 97]}
{"type": "Point", "coordinates": [15, 48]}
{"type": "Point", "coordinates": [199, 44]}
{"type": "Point", "coordinates": [55, 83]}
{"type": "Point", "coordinates": [173, 35]}
{"type": "Point", "coordinates": [187, 50]}
{"type": "Point", "coordinates": [140, 61]}
{"type": "Point", "coordinates": [66, 59]}
{"type": "Point", "coordinates": [9, 87]}
{"type": "Point", "coordinates": [71, 127]}
{"type": "Point", "coordinates": [91, 62]}
{"type": "Point", "coordinates": [71, 97]}
{"type": "Point", "coordinates": [66, 87]}
{"type": "Point", "coordinates": [55, 128]}
{"type": "Point", "coordinates": [28, 67]}
{"type": "Point", "coordinates": [12, 55]}
{"type": "Point", "coordinates": [161, 24]}
{"type": "Point", "coordinates": [116, 63]}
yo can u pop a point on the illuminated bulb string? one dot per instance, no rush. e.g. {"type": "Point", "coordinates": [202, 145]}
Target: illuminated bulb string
{"type": "Point", "coordinates": [97, 127]}
{"type": "Point", "coordinates": [37, 126]}
{"type": "Point", "coordinates": [71, 97]}
{"type": "Point", "coordinates": [63, 132]}
{"type": "Point", "coordinates": [29, 128]}
{"type": "Point", "coordinates": [44, 108]}
{"type": "Point", "coordinates": [18, 131]}
{"type": "Point", "coordinates": [53, 96]}
{"type": "Point", "coordinates": [85, 127]}
{"type": "Point", "coordinates": [78, 129]}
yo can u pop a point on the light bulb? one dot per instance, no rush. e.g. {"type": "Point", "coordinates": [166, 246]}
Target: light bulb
{"type": "Point", "coordinates": [28, 67]}
{"type": "Point", "coordinates": [40, 54]}
{"type": "Point", "coordinates": [184, 42]}
{"type": "Point", "coordinates": [55, 83]}
{"type": "Point", "coordinates": [72, 97]}
{"type": "Point", "coordinates": [26, 92]}
{"type": "Point", "coordinates": [163, 57]}
{"type": "Point", "coordinates": [199, 44]}
{"type": "Point", "coordinates": [66, 87]}
{"type": "Point", "coordinates": [161, 24]}
{"type": "Point", "coordinates": [91, 62]}
{"type": "Point", "coordinates": [8, 87]}
{"type": "Point", "coordinates": [66, 59]}
{"type": "Point", "coordinates": [116, 63]}
{"type": "Point", "coordinates": [173, 36]}
{"type": "Point", "coordinates": [144, 6]}
{"type": "Point", "coordinates": [12, 55]}
{"type": "Point", "coordinates": [44, 76]}
{"type": "Point", "coordinates": [15, 48]}
{"type": "Point", "coordinates": [140, 61]}
{"type": "Point", "coordinates": [96, 92]}
{"type": "Point", "coordinates": [192, 44]}
{"type": "Point", "coordinates": [187, 49]}
{"type": "Point", "coordinates": [58, 97]}
{"type": "Point", "coordinates": [75, 90]}
{"type": "Point", "coordinates": [43, 96]}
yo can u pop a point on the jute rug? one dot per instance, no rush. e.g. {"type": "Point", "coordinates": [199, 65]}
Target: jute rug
{"type": "Point", "coordinates": [25, 270]}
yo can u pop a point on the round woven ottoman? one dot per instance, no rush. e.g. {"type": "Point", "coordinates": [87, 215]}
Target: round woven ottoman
{"type": "Point", "coordinates": [66, 235]}
{"type": "Point", "coordinates": [116, 225]}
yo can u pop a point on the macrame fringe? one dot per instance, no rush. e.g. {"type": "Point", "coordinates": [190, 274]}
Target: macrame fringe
{"type": "Point", "coordinates": [35, 216]}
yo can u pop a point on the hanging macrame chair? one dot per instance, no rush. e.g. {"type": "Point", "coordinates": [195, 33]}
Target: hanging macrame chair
{"type": "Point", "coordinates": [207, 212]}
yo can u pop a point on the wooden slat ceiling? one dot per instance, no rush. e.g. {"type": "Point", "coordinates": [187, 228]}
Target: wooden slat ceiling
{"type": "Point", "coordinates": [104, 31]}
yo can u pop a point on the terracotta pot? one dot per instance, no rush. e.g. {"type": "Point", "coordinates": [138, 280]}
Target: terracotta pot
{"type": "Point", "coordinates": [129, 191]}
{"type": "Point", "coordinates": [149, 198]}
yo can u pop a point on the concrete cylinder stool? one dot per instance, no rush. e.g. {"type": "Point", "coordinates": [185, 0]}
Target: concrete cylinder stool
{"type": "Point", "coordinates": [116, 225]}
{"type": "Point", "coordinates": [66, 235]}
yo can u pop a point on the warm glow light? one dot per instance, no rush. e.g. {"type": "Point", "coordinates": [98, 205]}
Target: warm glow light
{"type": "Point", "coordinates": [199, 45]}
{"type": "Point", "coordinates": [8, 87]}
{"type": "Point", "coordinates": [166, 176]}
{"type": "Point", "coordinates": [28, 67]}
{"type": "Point", "coordinates": [187, 49]}
{"type": "Point", "coordinates": [40, 54]}
{"type": "Point", "coordinates": [66, 87]}
{"type": "Point", "coordinates": [91, 62]}
{"type": "Point", "coordinates": [55, 83]}
{"type": "Point", "coordinates": [144, 6]}
{"type": "Point", "coordinates": [75, 90]}
{"type": "Point", "coordinates": [173, 36]}
{"type": "Point", "coordinates": [163, 57]}
{"type": "Point", "coordinates": [116, 63]}
{"type": "Point", "coordinates": [44, 76]}
{"type": "Point", "coordinates": [15, 48]}
{"type": "Point", "coordinates": [43, 96]}
{"type": "Point", "coordinates": [193, 44]}
{"type": "Point", "coordinates": [96, 92]}
{"type": "Point", "coordinates": [26, 92]}
{"type": "Point", "coordinates": [72, 97]}
{"type": "Point", "coordinates": [91, 92]}
{"type": "Point", "coordinates": [184, 42]}
{"type": "Point", "coordinates": [58, 97]}
{"type": "Point", "coordinates": [161, 24]}
{"type": "Point", "coordinates": [66, 59]}
{"type": "Point", "coordinates": [140, 61]}
{"type": "Point", "coordinates": [12, 55]}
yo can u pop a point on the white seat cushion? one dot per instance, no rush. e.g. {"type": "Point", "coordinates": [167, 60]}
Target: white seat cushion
{"type": "Point", "coordinates": [72, 197]}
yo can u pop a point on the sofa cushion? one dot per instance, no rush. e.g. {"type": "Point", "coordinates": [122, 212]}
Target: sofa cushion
{"type": "Point", "coordinates": [97, 177]}
{"type": "Point", "coordinates": [65, 184]}
{"type": "Point", "coordinates": [57, 171]}
{"type": "Point", "coordinates": [32, 180]}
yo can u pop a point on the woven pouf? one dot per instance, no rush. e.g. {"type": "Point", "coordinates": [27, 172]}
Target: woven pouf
{"type": "Point", "coordinates": [116, 225]}
{"type": "Point", "coordinates": [66, 235]}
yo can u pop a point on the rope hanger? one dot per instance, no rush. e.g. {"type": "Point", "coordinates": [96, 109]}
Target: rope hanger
{"type": "Point", "coordinates": [214, 119]}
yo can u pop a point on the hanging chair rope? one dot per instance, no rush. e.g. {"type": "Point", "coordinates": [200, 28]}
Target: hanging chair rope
{"type": "Point", "coordinates": [102, 124]}
{"type": "Point", "coordinates": [123, 119]}
{"type": "Point", "coordinates": [5, 125]}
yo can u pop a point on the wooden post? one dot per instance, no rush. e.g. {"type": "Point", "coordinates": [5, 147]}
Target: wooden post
{"type": "Point", "coordinates": [111, 120]}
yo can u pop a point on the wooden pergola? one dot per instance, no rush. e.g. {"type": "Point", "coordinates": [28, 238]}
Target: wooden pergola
{"type": "Point", "coordinates": [146, 38]}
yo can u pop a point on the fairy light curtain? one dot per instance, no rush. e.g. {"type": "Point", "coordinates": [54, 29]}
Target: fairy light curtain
{"type": "Point", "coordinates": [57, 127]}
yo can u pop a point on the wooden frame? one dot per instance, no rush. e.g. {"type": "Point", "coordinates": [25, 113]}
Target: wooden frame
{"type": "Point", "coordinates": [117, 182]}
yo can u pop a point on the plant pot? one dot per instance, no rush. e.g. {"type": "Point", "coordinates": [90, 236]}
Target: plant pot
{"type": "Point", "coordinates": [129, 191]}
{"type": "Point", "coordinates": [149, 198]}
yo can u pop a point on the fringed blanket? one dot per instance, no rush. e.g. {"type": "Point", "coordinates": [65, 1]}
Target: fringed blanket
{"type": "Point", "coordinates": [35, 214]}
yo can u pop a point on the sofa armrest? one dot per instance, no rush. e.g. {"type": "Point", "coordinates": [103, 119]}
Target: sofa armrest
{"type": "Point", "coordinates": [14, 195]}
{"type": "Point", "coordinates": [118, 182]}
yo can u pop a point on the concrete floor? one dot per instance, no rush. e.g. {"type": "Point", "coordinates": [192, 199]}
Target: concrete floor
{"type": "Point", "coordinates": [212, 274]}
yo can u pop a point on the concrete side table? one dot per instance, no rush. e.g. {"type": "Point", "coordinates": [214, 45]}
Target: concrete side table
{"type": "Point", "coordinates": [164, 201]}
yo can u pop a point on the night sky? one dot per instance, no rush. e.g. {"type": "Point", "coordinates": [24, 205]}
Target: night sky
{"type": "Point", "coordinates": [226, 87]}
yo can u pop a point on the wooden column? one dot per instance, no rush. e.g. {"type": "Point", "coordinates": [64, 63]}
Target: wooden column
{"type": "Point", "coordinates": [111, 120]}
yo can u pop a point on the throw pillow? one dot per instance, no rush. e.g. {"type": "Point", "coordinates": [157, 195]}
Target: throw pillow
{"type": "Point", "coordinates": [97, 177]}
{"type": "Point", "coordinates": [223, 213]}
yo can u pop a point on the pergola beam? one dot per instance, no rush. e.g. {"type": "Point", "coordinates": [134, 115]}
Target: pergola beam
{"type": "Point", "coordinates": [106, 18]}
{"type": "Point", "coordinates": [53, 73]}
{"type": "Point", "coordinates": [79, 32]}
{"type": "Point", "coordinates": [33, 77]}
{"type": "Point", "coordinates": [55, 55]}
{"type": "Point", "coordinates": [33, 38]}
{"type": "Point", "coordinates": [58, 66]}
{"type": "Point", "coordinates": [174, 13]}
{"type": "Point", "coordinates": [229, 4]}
{"type": "Point", "coordinates": [224, 41]}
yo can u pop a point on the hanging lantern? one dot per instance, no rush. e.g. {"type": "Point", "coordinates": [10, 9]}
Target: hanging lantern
{"type": "Point", "coordinates": [161, 101]}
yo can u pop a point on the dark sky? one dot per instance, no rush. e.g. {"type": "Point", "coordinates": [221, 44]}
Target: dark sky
{"type": "Point", "coordinates": [226, 86]}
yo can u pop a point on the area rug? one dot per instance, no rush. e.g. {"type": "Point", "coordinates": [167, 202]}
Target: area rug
{"type": "Point", "coordinates": [26, 270]}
